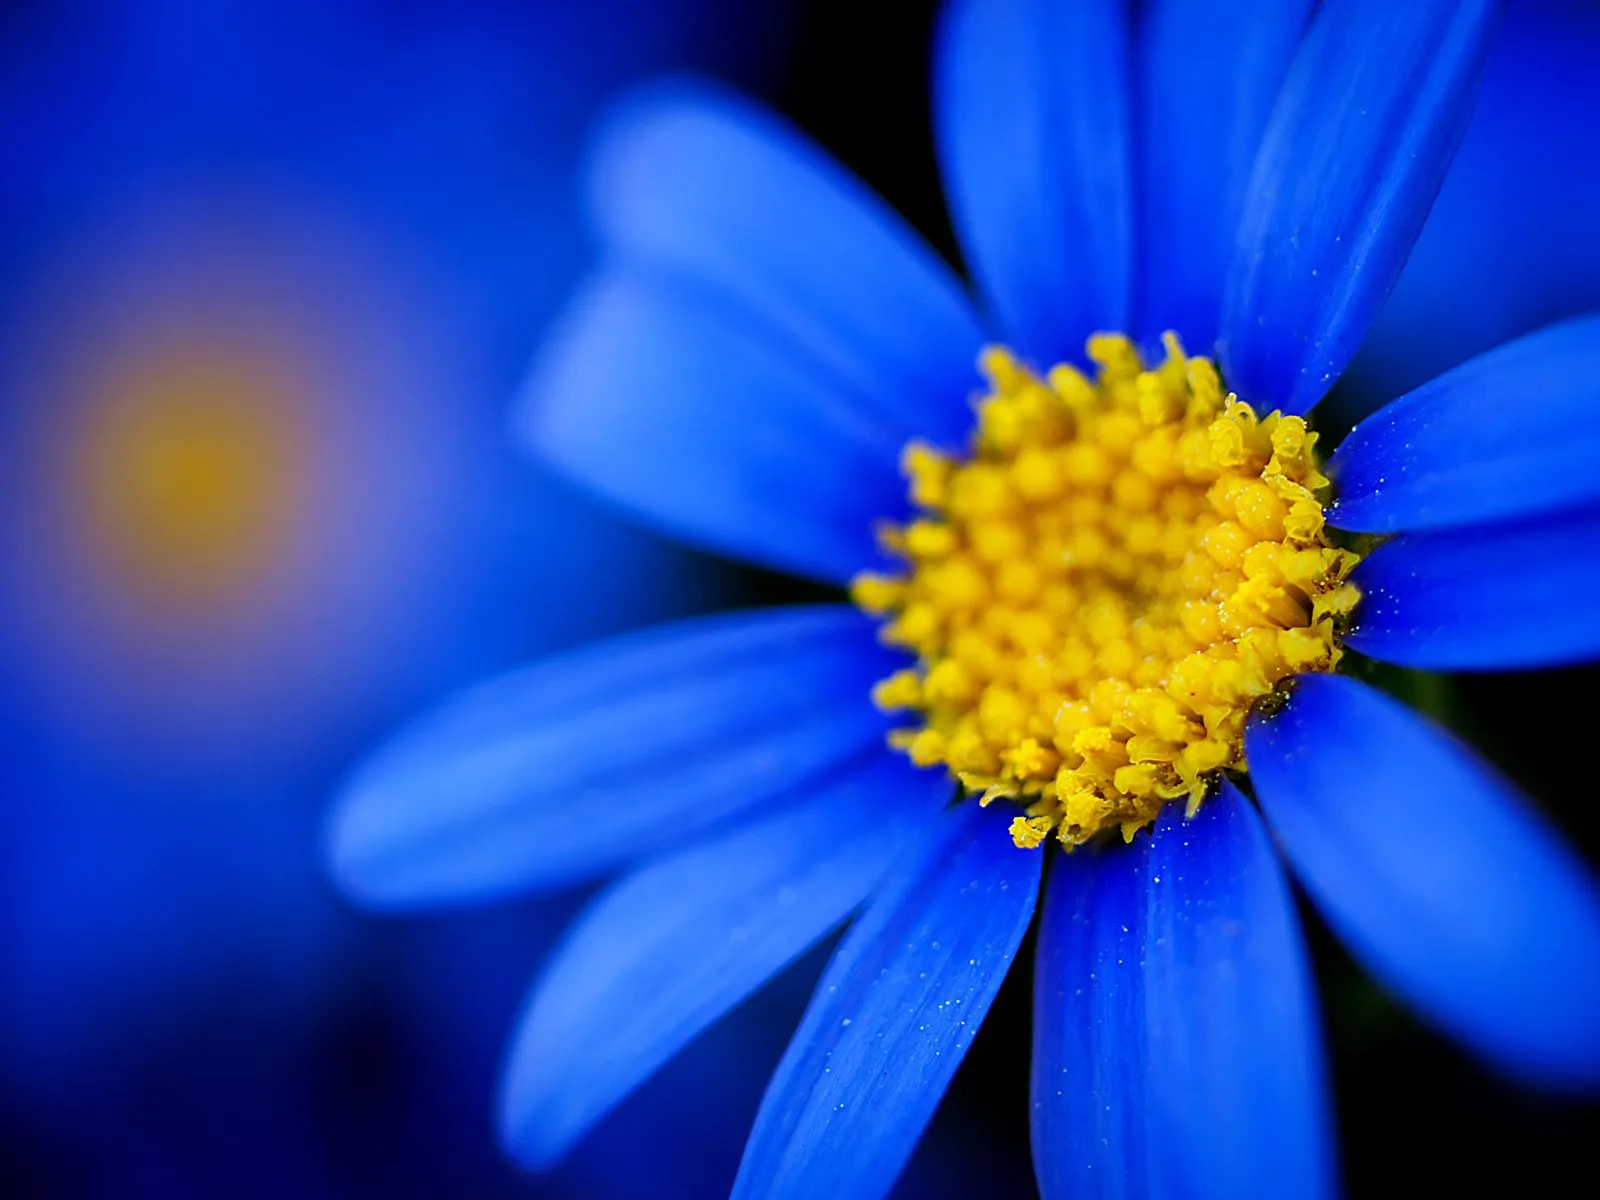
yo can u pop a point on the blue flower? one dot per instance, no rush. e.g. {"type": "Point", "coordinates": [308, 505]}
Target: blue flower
{"type": "Point", "coordinates": [265, 273]}
{"type": "Point", "coordinates": [764, 339]}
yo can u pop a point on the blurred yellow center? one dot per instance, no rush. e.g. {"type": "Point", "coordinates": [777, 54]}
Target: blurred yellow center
{"type": "Point", "coordinates": [1100, 590]}
{"type": "Point", "coordinates": [186, 469]}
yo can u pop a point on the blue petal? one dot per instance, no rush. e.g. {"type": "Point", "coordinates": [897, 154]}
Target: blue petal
{"type": "Point", "coordinates": [1512, 242]}
{"type": "Point", "coordinates": [892, 1017]}
{"type": "Point", "coordinates": [1200, 130]}
{"type": "Point", "coordinates": [1031, 115]}
{"type": "Point", "coordinates": [1176, 1043]}
{"type": "Point", "coordinates": [1437, 876]}
{"type": "Point", "coordinates": [1238, 1086]}
{"type": "Point", "coordinates": [674, 406]}
{"type": "Point", "coordinates": [670, 949]}
{"type": "Point", "coordinates": [712, 190]}
{"type": "Point", "coordinates": [1370, 116]}
{"type": "Point", "coordinates": [1484, 598]}
{"type": "Point", "coordinates": [558, 771]}
{"type": "Point", "coordinates": [1514, 431]}
{"type": "Point", "coordinates": [1090, 1123]}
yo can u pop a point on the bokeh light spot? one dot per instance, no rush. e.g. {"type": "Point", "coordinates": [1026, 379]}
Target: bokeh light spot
{"type": "Point", "coordinates": [186, 470]}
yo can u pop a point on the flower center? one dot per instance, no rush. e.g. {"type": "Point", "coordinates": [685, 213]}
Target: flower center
{"type": "Point", "coordinates": [1102, 588]}
{"type": "Point", "coordinates": [184, 471]}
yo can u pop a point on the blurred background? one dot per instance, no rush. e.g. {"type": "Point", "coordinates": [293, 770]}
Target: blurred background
{"type": "Point", "coordinates": [269, 273]}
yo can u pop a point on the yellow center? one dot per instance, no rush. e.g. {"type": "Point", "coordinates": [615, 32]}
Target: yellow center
{"type": "Point", "coordinates": [1099, 592]}
{"type": "Point", "coordinates": [186, 469]}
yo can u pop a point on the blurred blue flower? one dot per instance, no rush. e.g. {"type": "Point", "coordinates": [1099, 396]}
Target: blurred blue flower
{"type": "Point", "coordinates": [266, 272]}
{"type": "Point", "coordinates": [762, 338]}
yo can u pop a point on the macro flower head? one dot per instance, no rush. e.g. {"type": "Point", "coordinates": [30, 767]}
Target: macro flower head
{"type": "Point", "coordinates": [1109, 609]}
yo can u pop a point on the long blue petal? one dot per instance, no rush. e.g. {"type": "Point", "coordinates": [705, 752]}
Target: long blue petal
{"type": "Point", "coordinates": [711, 189]}
{"type": "Point", "coordinates": [1437, 876]}
{"type": "Point", "coordinates": [1238, 1086]}
{"type": "Point", "coordinates": [674, 406]}
{"type": "Point", "coordinates": [1484, 598]}
{"type": "Point", "coordinates": [1200, 130]}
{"type": "Point", "coordinates": [1031, 116]}
{"type": "Point", "coordinates": [1177, 1049]}
{"type": "Point", "coordinates": [1370, 116]}
{"type": "Point", "coordinates": [1513, 431]}
{"type": "Point", "coordinates": [892, 1017]}
{"type": "Point", "coordinates": [1090, 1118]}
{"type": "Point", "coordinates": [668, 950]}
{"type": "Point", "coordinates": [558, 771]}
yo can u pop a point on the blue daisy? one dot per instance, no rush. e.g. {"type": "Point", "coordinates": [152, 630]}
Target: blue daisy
{"type": "Point", "coordinates": [266, 271]}
{"type": "Point", "coordinates": [1115, 609]}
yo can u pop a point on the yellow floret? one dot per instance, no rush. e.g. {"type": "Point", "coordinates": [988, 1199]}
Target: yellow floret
{"type": "Point", "coordinates": [1098, 593]}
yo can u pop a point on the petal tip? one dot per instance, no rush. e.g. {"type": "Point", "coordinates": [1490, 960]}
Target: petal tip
{"type": "Point", "coordinates": [633, 121]}
{"type": "Point", "coordinates": [350, 843]}
{"type": "Point", "coordinates": [525, 1137]}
